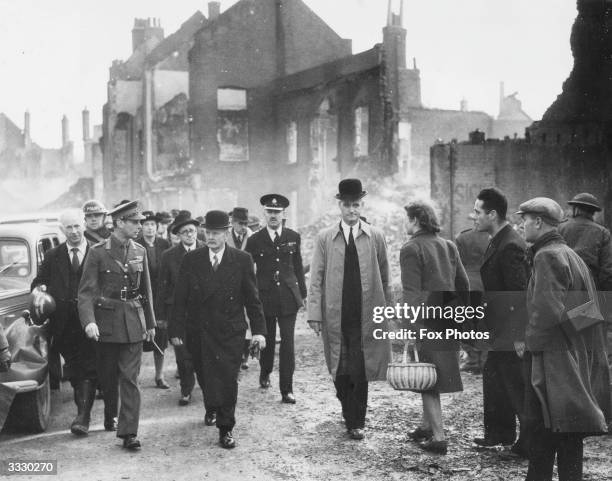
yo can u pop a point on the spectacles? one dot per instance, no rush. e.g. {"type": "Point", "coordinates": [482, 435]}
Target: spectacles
{"type": "Point", "coordinates": [188, 232]}
{"type": "Point", "coordinates": [243, 223]}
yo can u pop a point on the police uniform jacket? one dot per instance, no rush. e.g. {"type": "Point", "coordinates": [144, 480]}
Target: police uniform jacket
{"type": "Point", "coordinates": [115, 291]}
{"type": "Point", "coordinates": [280, 273]}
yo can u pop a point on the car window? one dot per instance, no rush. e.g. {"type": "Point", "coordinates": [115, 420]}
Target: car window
{"type": "Point", "coordinates": [14, 258]}
{"type": "Point", "coordinates": [56, 242]}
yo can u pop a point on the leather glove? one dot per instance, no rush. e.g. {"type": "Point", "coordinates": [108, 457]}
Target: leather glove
{"type": "Point", "coordinates": [92, 332]}
{"type": "Point", "coordinates": [258, 338]}
{"type": "Point", "coordinates": [176, 341]}
{"type": "Point", "coordinates": [315, 326]}
{"type": "Point", "coordinates": [150, 336]}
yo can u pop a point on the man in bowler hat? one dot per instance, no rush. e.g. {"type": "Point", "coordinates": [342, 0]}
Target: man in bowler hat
{"type": "Point", "coordinates": [215, 285]}
{"type": "Point", "coordinates": [280, 279]}
{"type": "Point", "coordinates": [116, 310]}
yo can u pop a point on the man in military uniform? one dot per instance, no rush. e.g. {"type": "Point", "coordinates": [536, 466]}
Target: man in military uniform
{"type": "Point", "coordinates": [591, 241]}
{"type": "Point", "coordinates": [115, 308]}
{"type": "Point", "coordinates": [282, 289]}
{"type": "Point", "coordinates": [95, 230]}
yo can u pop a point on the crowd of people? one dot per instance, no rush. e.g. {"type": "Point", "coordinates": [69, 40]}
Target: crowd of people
{"type": "Point", "coordinates": [217, 287]}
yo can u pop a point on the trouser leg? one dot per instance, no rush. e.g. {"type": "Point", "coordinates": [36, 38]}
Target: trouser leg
{"type": "Point", "coordinates": [107, 359]}
{"type": "Point", "coordinates": [542, 452]}
{"type": "Point", "coordinates": [569, 457]}
{"type": "Point", "coordinates": [286, 357]}
{"type": "Point", "coordinates": [266, 357]}
{"type": "Point", "coordinates": [499, 415]}
{"type": "Point", "coordinates": [341, 384]}
{"type": "Point", "coordinates": [129, 367]}
{"type": "Point", "coordinates": [186, 371]}
{"type": "Point", "coordinates": [194, 348]}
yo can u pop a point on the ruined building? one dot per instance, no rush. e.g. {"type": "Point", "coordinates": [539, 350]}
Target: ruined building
{"type": "Point", "coordinates": [267, 97]}
{"type": "Point", "coordinates": [21, 157]}
{"type": "Point", "coordinates": [565, 153]}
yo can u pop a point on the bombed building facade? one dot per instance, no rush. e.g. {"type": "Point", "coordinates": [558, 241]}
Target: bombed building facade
{"type": "Point", "coordinates": [265, 96]}
{"type": "Point", "coordinates": [565, 153]}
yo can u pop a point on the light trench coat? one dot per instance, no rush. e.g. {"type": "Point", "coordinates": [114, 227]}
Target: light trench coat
{"type": "Point", "coordinates": [325, 295]}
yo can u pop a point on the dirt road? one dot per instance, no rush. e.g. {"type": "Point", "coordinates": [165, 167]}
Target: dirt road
{"type": "Point", "coordinates": [276, 441]}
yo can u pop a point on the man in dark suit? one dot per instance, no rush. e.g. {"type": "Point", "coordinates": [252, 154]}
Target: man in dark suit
{"type": "Point", "coordinates": [187, 230]}
{"type": "Point", "coordinates": [115, 307]}
{"type": "Point", "coordinates": [215, 286]}
{"type": "Point", "coordinates": [59, 275]}
{"type": "Point", "coordinates": [280, 279]}
{"type": "Point", "coordinates": [155, 246]}
{"type": "Point", "coordinates": [504, 275]}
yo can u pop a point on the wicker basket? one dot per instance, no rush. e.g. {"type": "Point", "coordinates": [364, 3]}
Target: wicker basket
{"type": "Point", "coordinates": [411, 376]}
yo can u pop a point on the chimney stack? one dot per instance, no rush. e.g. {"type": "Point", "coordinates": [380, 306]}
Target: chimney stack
{"type": "Point", "coordinates": [65, 133]}
{"type": "Point", "coordinates": [27, 139]}
{"type": "Point", "coordinates": [214, 10]}
{"type": "Point", "coordinates": [85, 114]}
{"type": "Point", "coordinates": [464, 105]}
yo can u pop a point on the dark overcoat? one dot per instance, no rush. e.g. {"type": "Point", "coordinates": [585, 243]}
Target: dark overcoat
{"type": "Point", "coordinates": [212, 305]}
{"type": "Point", "coordinates": [570, 372]}
{"type": "Point", "coordinates": [504, 274]}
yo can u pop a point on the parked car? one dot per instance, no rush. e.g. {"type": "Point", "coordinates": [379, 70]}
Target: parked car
{"type": "Point", "coordinates": [24, 389]}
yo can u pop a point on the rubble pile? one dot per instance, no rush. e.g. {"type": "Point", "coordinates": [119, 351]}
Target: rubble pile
{"type": "Point", "coordinates": [384, 208]}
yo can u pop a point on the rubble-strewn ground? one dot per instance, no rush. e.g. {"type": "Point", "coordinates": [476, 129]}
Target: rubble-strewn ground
{"type": "Point", "coordinates": [281, 442]}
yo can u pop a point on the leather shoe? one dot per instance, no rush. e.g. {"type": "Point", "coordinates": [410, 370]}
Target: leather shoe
{"type": "Point", "coordinates": [130, 442]}
{"type": "Point", "coordinates": [226, 440]}
{"type": "Point", "coordinates": [264, 382]}
{"type": "Point", "coordinates": [519, 450]}
{"type": "Point", "coordinates": [184, 400]}
{"type": "Point", "coordinates": [437, 447]}
{"type": "Point", "coordinates": [110, 424]}
{"type": "Point", "coordinates": [356, 433]}
{"type": "Point", "coordinates": [210, 419]}
{"type": "Point", "coordinates": [488, 442]}
{"type": "Point", "coordinates": [288, 398]}
{"type": "Point", "coordinates": [420, 434]}
{"type": "Point", "coordinates": [162, 384]}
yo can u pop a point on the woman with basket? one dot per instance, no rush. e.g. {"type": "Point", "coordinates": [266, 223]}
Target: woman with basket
{"type": "Point", "coordinates": [433, 275]}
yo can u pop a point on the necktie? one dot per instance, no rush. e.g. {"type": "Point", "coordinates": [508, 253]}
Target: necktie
{"type": "Point", "coordinates": [215, 265]}
{"type": "Point", "coordinates": [75, 259]}
{"type": "Point", "coordinates": [351, 240]}
{"type": "Point", "coordinates": [276, 237]}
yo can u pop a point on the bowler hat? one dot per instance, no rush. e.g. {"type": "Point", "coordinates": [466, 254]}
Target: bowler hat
{"type": "Point", "coordinates": [164, 217]}
{"type": "Point", "coordinates": [544, 207]}
{"type": "Point", "coordinates": [129, 210]}
{"type": "Point", "coordinates": [181, 221]}
{"type": "Point", "coordinates": [274, 202]}
{"type": "Point", "coordinates": [216, 219]}
{"type": "Point", "coordinates": [586, 200]}
{"type": "Point", "coordinates": [350, 189]}
{"type": "Point", "coordinates": [240, 214]}
{"type": "Point", "coordinates": [150, 215]}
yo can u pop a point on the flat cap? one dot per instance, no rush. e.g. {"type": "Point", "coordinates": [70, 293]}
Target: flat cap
{"type": "Point", "coordinates": [130, 210]}
{"type": "Point", "coordinates": [586, 200]}
{"type": "Point", "coordinates": [544, 207]}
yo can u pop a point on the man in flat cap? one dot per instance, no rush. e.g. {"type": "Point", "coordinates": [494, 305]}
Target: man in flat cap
{"type": "Point", "coordinates": [186, 229]}
{"type": "Point", "coordinates": [95, 230]}
{"type": "Point", "coordinates": [115, 308]}
{"type": "Point", "coordinates": [349, 276]}
{"type": "Point", "coordinates": [282, 288]}
{"type": "Point", "coordinates": [592, 242]}
{"type": "Point", "coordinates": [215, 285]}
{"type": "Point", "coordinates": [567, 396]}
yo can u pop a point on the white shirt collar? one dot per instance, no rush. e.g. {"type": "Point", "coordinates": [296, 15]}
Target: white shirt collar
{"type": "Point", "coordinates": [271, 232]}
{"type": "Point", "coordinates": [346, 229]}
{"type": "Point", "coordinates": [189, 248]}
{"type": "Point", "coordinates": [82, 247]}
{"type": "Point", "coordinates": [219, 255]}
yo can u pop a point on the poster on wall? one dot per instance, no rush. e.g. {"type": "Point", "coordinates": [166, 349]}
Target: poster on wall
{"type": "Point", "coordinates": [232, 135]}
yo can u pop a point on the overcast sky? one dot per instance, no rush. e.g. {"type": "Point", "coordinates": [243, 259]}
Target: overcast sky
{"type": "Point", "coordinates": [55, 54]}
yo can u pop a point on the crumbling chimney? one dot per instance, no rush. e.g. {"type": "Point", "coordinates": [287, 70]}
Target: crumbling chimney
{"type": "Point", "coordinates": [464, 105]}
{"type": "Point", "coordinates": [145, 29]}
{"type": "Point", "coordinates": [65, 133]}
{"type": "Point", "coordinates": [85, 114]}
{"type": "Point", "coordinates": [214, 10]}
{"type": "Point", "coordinates": [27, 139]}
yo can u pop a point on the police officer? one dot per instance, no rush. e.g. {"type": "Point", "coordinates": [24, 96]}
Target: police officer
{"type": "Point", "coordinates": [115, 308]}
{"type": "Point", "coordinates": [282, 289]}
{"type": "Point", "coordinates": [95, 230]}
